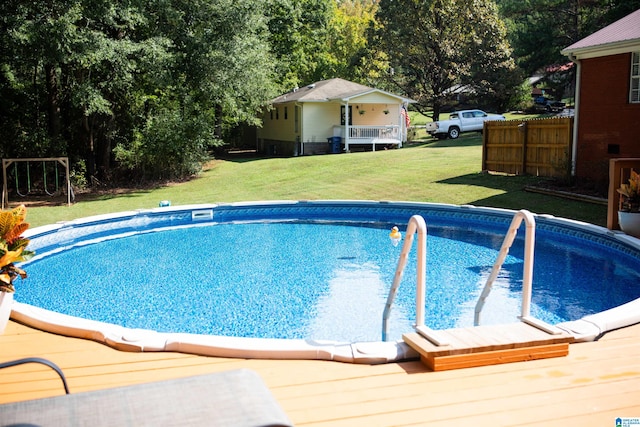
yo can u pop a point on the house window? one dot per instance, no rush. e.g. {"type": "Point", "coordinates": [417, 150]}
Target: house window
{"type": "Point", "coordinates": [634, 95]}
{"type": "Point", "coordinates": [271, 114]}
{"type": "Point", "coordinates": [277, 113]}
{"type": "Point", "coordinates": [296, 119]}
{"type": "Point", "coordinates": [286, 112]}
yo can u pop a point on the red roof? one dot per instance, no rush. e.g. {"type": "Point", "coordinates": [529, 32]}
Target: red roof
{"type": "Point", "coordinates": [625, 29]}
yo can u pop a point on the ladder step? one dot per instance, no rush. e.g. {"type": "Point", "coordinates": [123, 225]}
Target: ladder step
{"type": "Point", "coordinates": [489, 345]}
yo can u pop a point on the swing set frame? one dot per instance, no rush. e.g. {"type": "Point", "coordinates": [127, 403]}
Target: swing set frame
{"type": "Point", "coordinates": [64, 161]}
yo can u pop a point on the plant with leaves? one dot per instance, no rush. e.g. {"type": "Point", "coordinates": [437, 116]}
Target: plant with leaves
{"type": "Point", "coordinates": [631, 193]}
{"type": "Point", "coordinates": [12, 246]}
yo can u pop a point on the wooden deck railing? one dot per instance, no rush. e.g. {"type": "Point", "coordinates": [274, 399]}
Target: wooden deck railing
{"type": "Point", "coordinates": [619, 172]}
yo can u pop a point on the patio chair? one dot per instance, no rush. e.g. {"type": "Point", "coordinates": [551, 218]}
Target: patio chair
{"type": "Point", "coordinates": [237, 398]}
{"type": "Point", "coordinates": [40, 361]}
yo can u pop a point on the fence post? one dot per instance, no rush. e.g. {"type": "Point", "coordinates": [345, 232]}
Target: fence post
{"type": "Point", "coordinates": [485, 140]}
{"type": "Point", "coordinates": [522, 127]}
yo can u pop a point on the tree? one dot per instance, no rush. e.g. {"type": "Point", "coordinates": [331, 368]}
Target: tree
{"type": "Point", "coordinates": [161, 80]}
{"type": "Point", "coordinates": [540, 29]}
{"type": "Point", "coordinates": [436, 46]}
{"type": "Point", "coordinates": [220, 76]}
{"type": "Point", "coordinates": [347, 40]}
{"type": "Point", "coordinates": [77, 61]}
{"type": "Point", "coordinates": [298, 34]}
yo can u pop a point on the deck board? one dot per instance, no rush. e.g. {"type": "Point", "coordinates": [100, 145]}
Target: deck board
{"type": "Point", "coordinates": [595, 383]}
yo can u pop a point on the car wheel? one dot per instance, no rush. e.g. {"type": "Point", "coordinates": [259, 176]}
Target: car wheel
{"type": "Point", "coordinates": [454, 132]}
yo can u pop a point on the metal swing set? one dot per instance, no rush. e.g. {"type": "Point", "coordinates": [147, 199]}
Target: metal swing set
{"type": "Point", "coordinates": [49, 166]}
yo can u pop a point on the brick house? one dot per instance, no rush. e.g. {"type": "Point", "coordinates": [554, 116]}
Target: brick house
{"type": "Point", "coordinates": [607, 115]}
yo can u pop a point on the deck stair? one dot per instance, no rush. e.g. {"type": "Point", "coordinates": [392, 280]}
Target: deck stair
{"type": "Point", "coordinates": [488, 345]}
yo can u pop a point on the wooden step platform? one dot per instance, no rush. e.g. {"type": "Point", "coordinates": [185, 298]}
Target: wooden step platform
{"type": "Point", "coordinates": [488, 345]}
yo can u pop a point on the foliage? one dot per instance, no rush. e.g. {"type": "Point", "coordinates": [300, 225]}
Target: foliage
{"type": "Point", "coordinates": [540, 29]}
{"type": "Point", "coordinates": [171, 145]}
{"type": "Point", "coordinates": [298, 31]}
{"type": "Point", "coordinates": [12, 246]}
{"type": "Point", "coordinates": [439, 48]}
{"type": "Point", "coordinates": [220, 76]}
{"type": "Point", "coordinates": [631, 193]}
{"type": "Point", "coordinates": [347, 41]}
{"type": "Point", "coordinates": [81, 77]}
{"type": "Point", "coordinates": [146, 89]}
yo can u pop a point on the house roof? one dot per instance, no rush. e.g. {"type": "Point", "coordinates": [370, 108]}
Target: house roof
{"type": "Point", "coordinates": [619, 37]}
{"type": "Point", "coordinates": [330, 90]}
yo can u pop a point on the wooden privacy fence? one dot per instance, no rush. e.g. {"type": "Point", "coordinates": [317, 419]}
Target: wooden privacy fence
{"type": "Point", "coordinates": [540, 147]}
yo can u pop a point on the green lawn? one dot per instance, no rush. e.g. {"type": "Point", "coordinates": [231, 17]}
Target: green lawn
{"type": "Point", "coordinates": [432, 171]}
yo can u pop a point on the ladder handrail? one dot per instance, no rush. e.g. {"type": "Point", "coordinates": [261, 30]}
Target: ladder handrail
{"type": "Point", "coordinates": [416, 224]}
{"type": "Point", "coordinates": [527, 269]}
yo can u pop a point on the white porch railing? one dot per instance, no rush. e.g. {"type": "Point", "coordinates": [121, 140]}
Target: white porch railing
{"type": "Point", "coordinates": [389, 134]}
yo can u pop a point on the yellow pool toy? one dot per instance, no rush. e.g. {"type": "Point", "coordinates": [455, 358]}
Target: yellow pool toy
{"type": "Point", "coordinates": [395, 236]}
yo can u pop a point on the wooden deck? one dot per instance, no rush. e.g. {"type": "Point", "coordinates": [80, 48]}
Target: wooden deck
{"type": "Point", "coordinates": [593, 385]}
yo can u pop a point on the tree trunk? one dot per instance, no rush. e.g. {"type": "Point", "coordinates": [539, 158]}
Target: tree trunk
{"type": "Point", "coordinates": [87, 137]}
{"type": "Point", "coordinates": [53, 101]}
{"type": "Point", "coordinates": [103, 150]}
{"type": "Point", "coordinates": [218, 125]}
{"type": "Point", "coordinates": [435, 116]}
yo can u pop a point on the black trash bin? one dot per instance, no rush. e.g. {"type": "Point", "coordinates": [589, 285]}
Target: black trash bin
{"type": "Point", "coordinates": [335, 143]}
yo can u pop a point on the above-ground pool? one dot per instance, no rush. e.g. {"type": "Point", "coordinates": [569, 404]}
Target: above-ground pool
{"type": "Point", "coordinates": [310, 279]}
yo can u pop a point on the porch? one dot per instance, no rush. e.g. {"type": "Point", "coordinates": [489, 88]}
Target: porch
{"type": "Point", "coordinates": [388, 135]}
{"type": "Point", "coordinates": [363, 136]}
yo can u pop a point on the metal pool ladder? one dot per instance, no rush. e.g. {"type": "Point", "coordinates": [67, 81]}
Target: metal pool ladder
{"type": "Point", "coordinates": [527, 271]}
{"type": "Point", "coordinates": [418, 225]}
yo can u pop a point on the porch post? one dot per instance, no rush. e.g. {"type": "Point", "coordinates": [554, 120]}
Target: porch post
{"type": "Point", "coordinates": [403, 122]}
{"type": "Point", "coordinates": [347, 131]}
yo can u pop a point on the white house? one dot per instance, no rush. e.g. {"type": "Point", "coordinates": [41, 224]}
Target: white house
{"type": "Point", "coordinates": [332, 116]}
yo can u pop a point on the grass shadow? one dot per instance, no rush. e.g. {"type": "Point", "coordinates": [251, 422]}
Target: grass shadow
{"type": "Point", "coordinates": [465, 140]}
{"type": "Point", "coordinates": [240, 156]}
{"type": "Point", "coordinates": [490, 180]}
{"type": "Point", "coordinates": [513, 195]}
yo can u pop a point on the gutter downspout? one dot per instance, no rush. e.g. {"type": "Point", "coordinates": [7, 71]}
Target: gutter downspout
{"type": "Point", "coordinates": [576, 109]}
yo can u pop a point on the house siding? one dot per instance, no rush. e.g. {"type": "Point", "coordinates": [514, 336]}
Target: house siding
{"type": "Point", "coordinates": [318, 119]}
{"type": "Point", "coordinates": [608, 123]}
{"type": "Point", "coordinates": [278, 134]}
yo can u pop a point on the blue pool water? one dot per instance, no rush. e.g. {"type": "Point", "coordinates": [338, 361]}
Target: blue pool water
{"type": "Point", "coordinates": [324, 280]}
